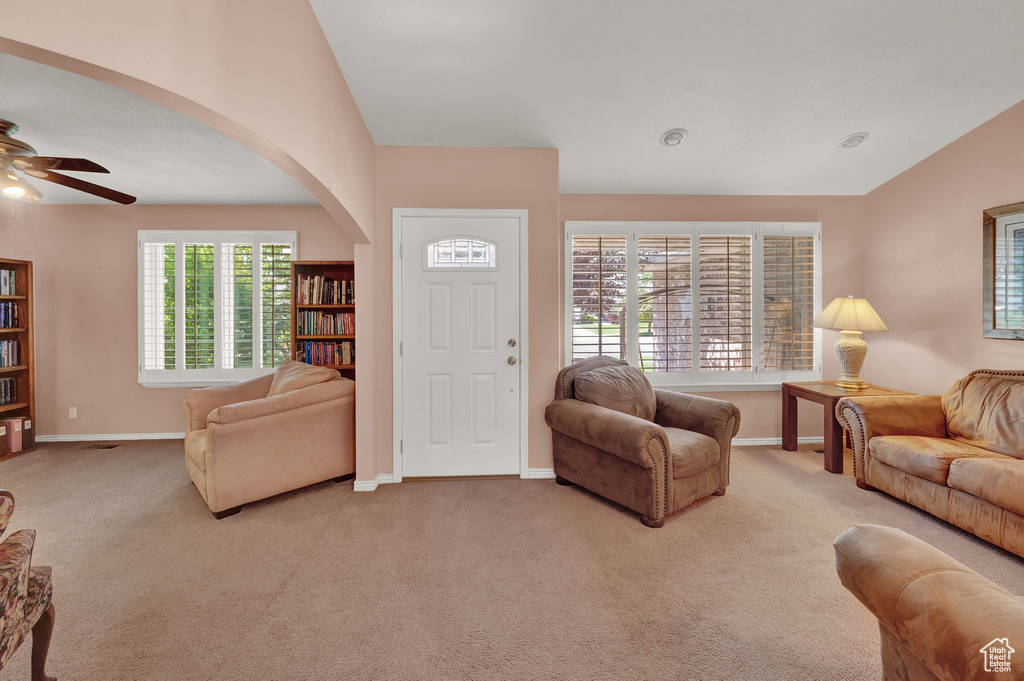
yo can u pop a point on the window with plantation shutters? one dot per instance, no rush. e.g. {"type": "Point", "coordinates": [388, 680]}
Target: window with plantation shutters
{"type": "Point", "coordinates": [724, 294]}
{"type": "Point", "coordinates": [598, 295]}
{"type": "Point", "coordinates": [664, 304]}
{"type": "Point", "coordinates": [698, 305]}
{"type": "Point", "coordinates": [213, 306]}
{"type": "Point", "coordinates": [789, 303]}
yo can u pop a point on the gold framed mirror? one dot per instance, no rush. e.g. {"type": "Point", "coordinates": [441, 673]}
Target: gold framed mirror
{"type": "Point", "coordinates": [1003, 271]}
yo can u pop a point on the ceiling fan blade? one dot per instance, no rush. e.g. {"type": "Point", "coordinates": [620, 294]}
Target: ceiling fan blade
{"type": "Point", "coordinates": [83, 186]}
{"type": "Point", "coordinates": [80, 165]}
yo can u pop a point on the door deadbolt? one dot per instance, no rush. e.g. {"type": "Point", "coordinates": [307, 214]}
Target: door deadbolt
{"type": "Point", "coordinates": [511, 360]}
{"type": "Point", "coordinates": [511, 342]}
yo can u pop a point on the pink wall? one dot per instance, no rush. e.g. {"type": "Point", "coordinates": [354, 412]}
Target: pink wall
{"type": "Point", "coordinates": [444, 177]}
{"type": "Point", "coordinates": [923, 257]}
{"type": "Point", "coordinates": [262, 73]}
{"type": "Point", "coordinates": [841, 219]}
{"type": "Point", "coordinates": [86, 307]}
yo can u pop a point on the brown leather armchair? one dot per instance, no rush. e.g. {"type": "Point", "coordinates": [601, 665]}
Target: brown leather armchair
{"type": "Point", "coordinates": [652, 451]}
{"type": "Point", "coordinates": [939, 620]}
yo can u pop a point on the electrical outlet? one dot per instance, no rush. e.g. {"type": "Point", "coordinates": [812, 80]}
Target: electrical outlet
{"type": "Point", "coordinates": [72, 412]}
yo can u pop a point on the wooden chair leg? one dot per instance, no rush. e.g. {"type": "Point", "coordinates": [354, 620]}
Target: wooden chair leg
{"type": "Point", "coordinates": [221, 515]}
{"type": "Point", "coordinates": [719, 492]}
{"type": "Point", "coordinates": [864, 485]}
{"type": "Point", "coordinates": [41, 633]}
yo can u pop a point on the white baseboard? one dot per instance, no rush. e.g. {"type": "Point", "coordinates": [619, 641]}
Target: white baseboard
{"type": "Point", "coordinates": [370, 485]}
{"type": "Point", "coordinates": [540, 473]}
{"type": "Point", "coordinates": [770, 441]}
{"type": "Point", "coordinates": [114, 436]}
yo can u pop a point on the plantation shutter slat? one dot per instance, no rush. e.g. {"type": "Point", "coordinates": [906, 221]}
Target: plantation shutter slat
{"type": "Point", "coordinates": [158, 319]}
{"type": "Point", "coordinates": [598, 296]}
{"type": "Point", "coordinates": [788, 303]}
{"type": "Point", "coordinates": [276, 299]}
{"type": "Point", "coordinates": [725, 303]}
{"type": "Point", "coordinates": [665, 305]}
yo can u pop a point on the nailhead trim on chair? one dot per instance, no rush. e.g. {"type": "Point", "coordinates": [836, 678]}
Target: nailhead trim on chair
{"type": "Point", "coordinates": [660, 486]}
{"type": "Point", "coordinates": [860, 445]}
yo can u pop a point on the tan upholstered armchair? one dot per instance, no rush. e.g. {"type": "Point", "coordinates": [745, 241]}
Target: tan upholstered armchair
{"type": "Point", "coordinates": [251, 440]}
{"type": "Point", "coordinates": [939, 620]}
{"type": "Point", "coordinates": [26, 594]}
{"type": "Point", "coordinates": [652, 451]}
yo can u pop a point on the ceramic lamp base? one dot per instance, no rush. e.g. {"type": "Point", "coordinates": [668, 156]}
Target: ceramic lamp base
{"type": "Point", "coordinates": [851, 351]}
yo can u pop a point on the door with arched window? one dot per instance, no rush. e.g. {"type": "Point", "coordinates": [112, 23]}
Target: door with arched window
{"type": "Point", "coordinates": [460, 376]}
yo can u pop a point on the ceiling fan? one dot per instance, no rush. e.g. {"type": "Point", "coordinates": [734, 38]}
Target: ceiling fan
{"type": "Point", "coordinates": [18, 157]}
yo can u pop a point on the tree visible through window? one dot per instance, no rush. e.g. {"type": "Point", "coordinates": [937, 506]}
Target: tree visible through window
{"type": "Point", "coordinates": [722, 302]}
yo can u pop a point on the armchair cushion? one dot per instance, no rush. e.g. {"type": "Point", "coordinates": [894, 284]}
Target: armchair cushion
{"type": "Point", "coordinates": [40, 592]}
{"type": "Point", "coordinates": [294, 399]}
{"type": "Point", "coordinates": [292, 375]}
{"type": "Point", "coordinates": [692, 452]}
{"type": "Point", "coordinates": [622, 388]}
{"type": "Point", "coordinates": [998, 480]}
{"type": "Point", "coordinates": [924, 457]}
{"type": "Point", "coordinates": [984, 408]}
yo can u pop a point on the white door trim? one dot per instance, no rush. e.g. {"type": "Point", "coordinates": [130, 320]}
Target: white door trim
{"type": "Point", "coordinates": [524, 330]}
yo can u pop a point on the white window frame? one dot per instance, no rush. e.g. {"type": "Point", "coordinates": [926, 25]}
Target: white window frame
{"type": "Point", "coordinates": [179, 377]}
{"type": "Point", "coordinates": [696, 380]}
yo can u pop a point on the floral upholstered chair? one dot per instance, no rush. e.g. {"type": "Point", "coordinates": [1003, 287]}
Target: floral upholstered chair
{"type": "Point", "coordinates": [25, 595]}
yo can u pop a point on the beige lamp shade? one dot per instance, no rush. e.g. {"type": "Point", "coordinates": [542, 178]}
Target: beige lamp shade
{"type": "Point", "coordinates": [850, 314]}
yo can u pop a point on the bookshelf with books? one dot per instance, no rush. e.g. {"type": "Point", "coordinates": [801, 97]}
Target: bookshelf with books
{"type": "Point", "coordinates": [17, 357]}
{"type": "Point", "coordinates": [324, 314]}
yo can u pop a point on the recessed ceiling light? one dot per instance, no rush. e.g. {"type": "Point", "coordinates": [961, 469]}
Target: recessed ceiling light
{"type": "Point", "coordinates": [851, 141]}
{"type": "Point", "coordinates": [673, 137]}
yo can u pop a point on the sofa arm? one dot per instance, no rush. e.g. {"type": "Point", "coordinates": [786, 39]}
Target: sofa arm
{"type": "Point", "coordinates": [295, 399]}
{"type": "Point", "coordinates": [866, 417]}
{"type": "Point", "coordinates": [627, 437]}
{"type": "Point", "coordinates": [717, 419]}
{"type": "Point", "coordinates": [943, 612]}
{"type": "Point", "coordinates": [199, 402]}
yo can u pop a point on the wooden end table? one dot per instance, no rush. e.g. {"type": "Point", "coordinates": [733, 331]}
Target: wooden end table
{"type": "Point", "coordinates": [827, 394]}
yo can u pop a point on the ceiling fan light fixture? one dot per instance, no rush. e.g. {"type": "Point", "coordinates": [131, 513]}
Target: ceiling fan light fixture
{"type": "Point", "coordinates": [11, 187]}
{"type": "Point", "coordinates": [673, 137]}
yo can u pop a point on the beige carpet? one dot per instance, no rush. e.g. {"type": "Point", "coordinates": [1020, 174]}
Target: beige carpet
{"type": "Point", "coordinates": [500, 579]}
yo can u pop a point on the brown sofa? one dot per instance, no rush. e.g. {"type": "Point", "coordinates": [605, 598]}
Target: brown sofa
{"type": "Point", "coordinates": [652, 451]}
{"type": "Point", "coordinates": [939, 620]}
{"type": "Point", "coordinates": [959, 456]}
{"type": "Point", "coordinates": [253, 439]}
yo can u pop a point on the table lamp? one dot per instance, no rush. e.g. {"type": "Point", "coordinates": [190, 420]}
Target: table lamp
{"type": "Point", "coordinates": [850, 316]}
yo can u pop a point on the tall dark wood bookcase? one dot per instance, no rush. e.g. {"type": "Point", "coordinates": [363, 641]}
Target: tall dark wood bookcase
{"type": "Point", "coordinates": [342, 270]}
{"type": "Point", "coordinates": [25, 371]}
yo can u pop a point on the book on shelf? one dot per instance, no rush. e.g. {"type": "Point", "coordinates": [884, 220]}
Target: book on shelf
{"type": "Point", "coordinates": [8, 391]}
{"type": "Point", "coordinates": [8, 283]}
{"type": "Point", "coordinates": [9, 353]}
{"type": "Point", "coordinates": [318, 323]}
{"type": "Point", "coordinates": [327, 353]}
{"type": "Point", "coordinates": [8, 315]}
{"type": "Point", "coordinates": [320, 290]}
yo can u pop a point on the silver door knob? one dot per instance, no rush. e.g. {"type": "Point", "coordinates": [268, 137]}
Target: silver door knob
{"type": "Point", "coordinates": [511, 360]}
{"type": "Point", "coordinates": [511, 342]}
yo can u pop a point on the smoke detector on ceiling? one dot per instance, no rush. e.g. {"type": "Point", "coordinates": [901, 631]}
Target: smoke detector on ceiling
{"type": "Point", "coordinates": [673, 137]}
{"type": "Point", "coordinates": [851, 141]}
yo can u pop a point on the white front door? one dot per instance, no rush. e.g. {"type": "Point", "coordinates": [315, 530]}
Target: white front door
{"type": "Point", "coordinates": [460, 346]}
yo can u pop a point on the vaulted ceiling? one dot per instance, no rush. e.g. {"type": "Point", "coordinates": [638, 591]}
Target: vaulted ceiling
{"type": "Point", "coordinates": [765, 89]}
